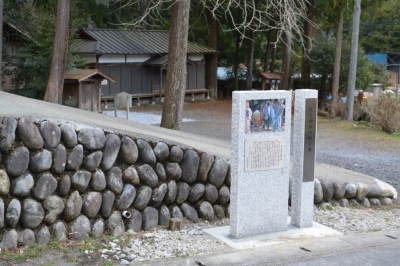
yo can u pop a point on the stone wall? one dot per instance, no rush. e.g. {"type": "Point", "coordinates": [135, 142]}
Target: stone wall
{"type": "Point", "coordinates": [70, 181]}
{"type": "Point", "coordinates": [349, 194]}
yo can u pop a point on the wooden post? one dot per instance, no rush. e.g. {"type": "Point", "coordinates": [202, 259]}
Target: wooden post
{"type": "Point", "coordinates": [99, 104]}
{"type": "Point", "coordinates": [1, 44]}
{"type": "Point", "coordinates": [127, 107]}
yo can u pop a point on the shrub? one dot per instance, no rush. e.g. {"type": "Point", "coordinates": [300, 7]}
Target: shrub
{"type": "Point", "coordinates": [340, 108]}
{"type": "Point", "coordinates": [384, 113]}
{"type": "Point", "coordinates": [358, 112]}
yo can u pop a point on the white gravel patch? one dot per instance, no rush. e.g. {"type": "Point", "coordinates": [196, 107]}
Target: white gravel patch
{"type": "Point", "coordinates": [354, 220]}
{"type": "Point", "coordinates": [161, 244]}
{"type": "Point", "coordinates": [142, 118]}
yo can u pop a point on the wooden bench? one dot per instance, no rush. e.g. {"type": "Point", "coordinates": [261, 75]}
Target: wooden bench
{"type": "Point", "coordinates": [153, 95]}
{"type": "Point", "coordinates": [138, 96]}
{"type": "Point", "coordinates": [107, 98]}
{"type": "Point", "coordinates": [198, 91]}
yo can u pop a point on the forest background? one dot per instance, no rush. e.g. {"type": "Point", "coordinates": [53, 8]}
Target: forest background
{"type": "Point", "coordinates": [308, 44]}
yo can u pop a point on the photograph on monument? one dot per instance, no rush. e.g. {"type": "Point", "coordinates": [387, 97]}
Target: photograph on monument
{"type": "Point", "coordinates": [265, 115]}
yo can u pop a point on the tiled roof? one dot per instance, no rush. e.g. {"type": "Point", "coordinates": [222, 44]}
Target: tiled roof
{"type": "Point", "coordinates": [82, 74]}
{"type": "Point", "coordinates": [135, 42]}
{"type": "Point", "coordinates": [162, 61]}
{"type": "Point", "coordinates": [269, 75]}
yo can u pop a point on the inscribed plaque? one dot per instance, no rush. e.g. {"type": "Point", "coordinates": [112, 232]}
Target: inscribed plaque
{"type": "Point", "coordinates": [264, 153]}
{"type": "Point", "coordinates": [309, 139]}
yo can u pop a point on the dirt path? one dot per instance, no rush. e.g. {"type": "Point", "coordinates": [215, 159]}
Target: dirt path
{"type": "Point", "coordinates": [351, 146]}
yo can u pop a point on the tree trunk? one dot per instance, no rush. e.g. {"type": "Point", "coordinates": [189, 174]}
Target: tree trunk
{"type": "Point", "coordinates": [267, 56]}
{"type": "Point", "coordinates": [212, 60]}
{"type": "Point", "coordinates": [336, 66]}
{"type": "Point", "coordinates": [272, 67]}
{"type": "Point", "coordinates": [266, 60]}
{"type": "Point", "coordinates": [353, 61]}
{"type": "Point", "coordinates": [236, 65]}
{"type": "Point", "coordinates": [177, 67]}
{"type": "Point", "coordinates": [322, 91]}
{"type": "Point", "coordinates": [250, 56]}
{"type": "Point", "coordinates": [55, 84]}
{"type": "Point", "coordinates": [1, 44]}
{"type": "Point", "coordinates": [286, 63]}
{"type": "Point", "coordinates": [308, 32]}
{"type": "Point", "coordinates": [143, 9]}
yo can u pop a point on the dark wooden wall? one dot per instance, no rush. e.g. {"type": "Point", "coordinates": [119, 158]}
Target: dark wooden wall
{"type": "Point", "coordinates": [136, 78]}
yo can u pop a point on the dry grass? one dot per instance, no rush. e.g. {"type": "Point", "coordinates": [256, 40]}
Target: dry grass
{"type": "Point", "coordinates": [384, 113]}
{"type": "Point", "coordinates": [337, 128]}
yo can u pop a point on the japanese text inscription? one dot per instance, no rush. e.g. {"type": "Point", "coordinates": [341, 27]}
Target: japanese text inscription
{"type": "Point", "coordinates": [310, 127]}
{"type": "Point", "coordinates": [264, 154]}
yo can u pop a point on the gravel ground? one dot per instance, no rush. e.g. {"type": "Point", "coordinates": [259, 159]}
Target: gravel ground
{"type": "Point", "coordinates": [164, 244]}
{"type": "Point", "coordinates": [161, 244]}
{"type": "Point", "coordinates": [363, 153]}
{"type": "Point", "coordinates": [359, 220]}
{"type": "Point", "coordinates": [369, 155]}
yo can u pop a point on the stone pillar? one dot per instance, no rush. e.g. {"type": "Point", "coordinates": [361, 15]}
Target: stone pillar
{"type": "Point", "coordinates": [304, 136]}
{"type": "Point", "coordinates": [259, 167]}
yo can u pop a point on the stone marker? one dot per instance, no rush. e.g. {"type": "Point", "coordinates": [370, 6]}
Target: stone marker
{"type": "Point", "coordinates": [304, 136]}
{"type": "Point", "coordinates": [259, 166]}
{"type": "Point", "coordinates": [175, 224]}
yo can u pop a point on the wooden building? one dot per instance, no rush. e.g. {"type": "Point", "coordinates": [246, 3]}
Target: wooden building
{"type": "Point", "coordinates": [137, 59]}
{"type": "Point", "coordinates": [13, 39]}
{"type": "Point", "coordinates": [391, 61]}
{"type": "Point", "coordinates": [82, 88]}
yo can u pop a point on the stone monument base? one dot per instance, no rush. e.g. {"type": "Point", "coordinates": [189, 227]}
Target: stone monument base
{"type": "Point", "coordinates": [292, 234]}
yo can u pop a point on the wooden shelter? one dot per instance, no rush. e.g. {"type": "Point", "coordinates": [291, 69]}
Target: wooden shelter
{"type": "Point", "coordinates": [269, 76]}
{"type": "Point", "coordinates": [82, 88]}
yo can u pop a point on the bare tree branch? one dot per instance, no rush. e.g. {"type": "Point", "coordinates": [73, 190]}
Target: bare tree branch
{"type": "Point", "coordinates": [285, 16]}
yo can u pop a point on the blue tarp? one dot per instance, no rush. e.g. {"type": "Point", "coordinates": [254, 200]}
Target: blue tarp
{"type": "Point", "coordinates": [378, 58]}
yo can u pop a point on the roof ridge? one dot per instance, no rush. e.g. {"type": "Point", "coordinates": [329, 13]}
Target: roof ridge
{"type": "Point", "coordinates": [106, 29]}
{"type": "Point", "coordinates": [125, 41]}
